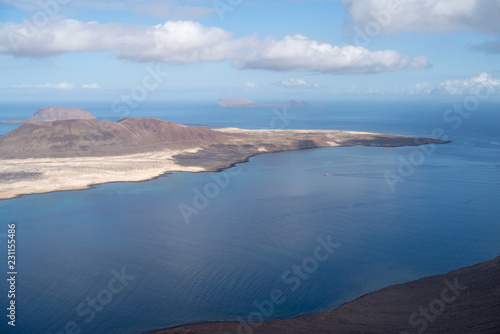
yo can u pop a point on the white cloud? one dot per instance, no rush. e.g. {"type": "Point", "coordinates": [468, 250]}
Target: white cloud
{"type": "Point", "coordinates": [94, 85]}
{"type": "Point", "coordinates": [425, 15]}
{"type": "Point", "coordinates": [62, 85]}
{"type": "Point", "coordinates": [468, 86]}
{"type": "Point", "coordinates": [420, 88]}
{"type": "Point", "coordinates": [483, 84]}
{"type": "Point", "coordinates": [185, 42]}
{"type": "Point", "coordinates": [58, 36]}
{"type": "Point", "coordinates": [297, 83]}
{"type": "Point", "coordinates": [458, 87]}
{"type": "Point", "coordinates": [180, 42]}
{"type": "Point", "coordinates": [299, 53]}
{"type": "Point", "coordinates": [173, 41]}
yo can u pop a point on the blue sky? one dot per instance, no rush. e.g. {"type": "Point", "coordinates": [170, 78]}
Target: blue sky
{"type": "Point", "coordinates": [262, 50]}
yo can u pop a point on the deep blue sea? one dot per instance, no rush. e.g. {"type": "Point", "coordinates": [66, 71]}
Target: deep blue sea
{"type": "Point", "coordinates": [120, 258]}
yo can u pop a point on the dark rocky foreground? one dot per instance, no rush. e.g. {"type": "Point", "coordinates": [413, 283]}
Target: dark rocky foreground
{"type": "Point", "coordinates": [466, 300]}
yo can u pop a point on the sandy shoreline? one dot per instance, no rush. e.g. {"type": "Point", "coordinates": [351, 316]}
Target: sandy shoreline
{"type": "Point", "coordinates": [62, 174]}
{"type": "Point", "coordinates": [43, 175]}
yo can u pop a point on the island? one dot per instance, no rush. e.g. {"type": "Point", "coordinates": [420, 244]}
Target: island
{"type": "Point", "coordinates": [46, 156]}
{"type": "Point", "coordinates": [245, 103]}
{"type": "Point", "coordinates": [465, 300]}
{"type": "Point", "coordinates": [53, 114]}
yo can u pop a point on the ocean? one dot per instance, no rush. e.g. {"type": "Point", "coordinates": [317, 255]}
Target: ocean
{"type": "Point", "coordinates": [125, 258]}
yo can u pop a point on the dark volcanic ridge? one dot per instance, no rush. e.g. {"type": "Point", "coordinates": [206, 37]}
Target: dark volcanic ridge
{"type": "Point", "coordinates": [54, 114]}
{"type": "Point", "coordinates": [466, 300]}
{"type": "Point", "coordinates": [239, 146]}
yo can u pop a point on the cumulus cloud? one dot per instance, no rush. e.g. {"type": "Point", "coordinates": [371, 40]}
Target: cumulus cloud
{"type": "Point", "coordinates": [299, 53]}
{"type": "Point", "coordinates": [297, 83]}
{"type": "Point", "coordinates": [250, 85]}
{"type": "Point", "coordinates": [62, 85]}
{"type": "Point", "coordinates": [184, 42]}
{"type": "Point", "coordinates": [425, 15]}
{"type": "Point", "coordinates": [59, 36]}
{"type": "Point", "coordinates": [181, 42]}
{"type": "Point", "coordinates": [173, 41]}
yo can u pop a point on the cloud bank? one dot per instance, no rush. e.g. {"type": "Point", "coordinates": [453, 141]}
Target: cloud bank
{"type": "Point", "coordinates": [64, 85]}
{"type": "Point", "coordinates": [299, 53]}
{"type": "Point", "coordinates": [184, 42]}
{"type": "Point", "coordinates": [482, 84]}
{"type": "Point", "coordinates": [458, 87]}
{"type": "Point", "coordinates": [61, 85]}
{"type": "Point", "coordinates": [297, 83]}
{"type": "Point", "coordinates": [94, 85]}
{"type": "Point", "coordinates": [426, 15]}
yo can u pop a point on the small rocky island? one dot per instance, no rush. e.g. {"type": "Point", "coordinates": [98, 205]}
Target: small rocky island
{"type": "Point", "coordinates": [55, 155]}
{"type": "Point", "coordinates": [245, 103]}
{"type": "Point", "coordinates": [53, 114]}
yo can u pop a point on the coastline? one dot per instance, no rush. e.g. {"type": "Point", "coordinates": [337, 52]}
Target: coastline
{"type": "Point", "coordinates": [471, 301]}
{"type": "Point", "coordinates": [67, 174]}
{"type": "Point", "coordinates": [29, 175]}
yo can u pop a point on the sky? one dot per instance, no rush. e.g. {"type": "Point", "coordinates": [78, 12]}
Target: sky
{"type": "Point", "coordinates": [277, 50]}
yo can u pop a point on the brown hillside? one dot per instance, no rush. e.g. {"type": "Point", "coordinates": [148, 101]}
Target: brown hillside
{"type": "Point", "coordinates": [70, 138]}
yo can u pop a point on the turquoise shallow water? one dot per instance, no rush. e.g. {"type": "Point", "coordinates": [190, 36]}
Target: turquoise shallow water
{"type": "Point", "coordinates": [265, 221]}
